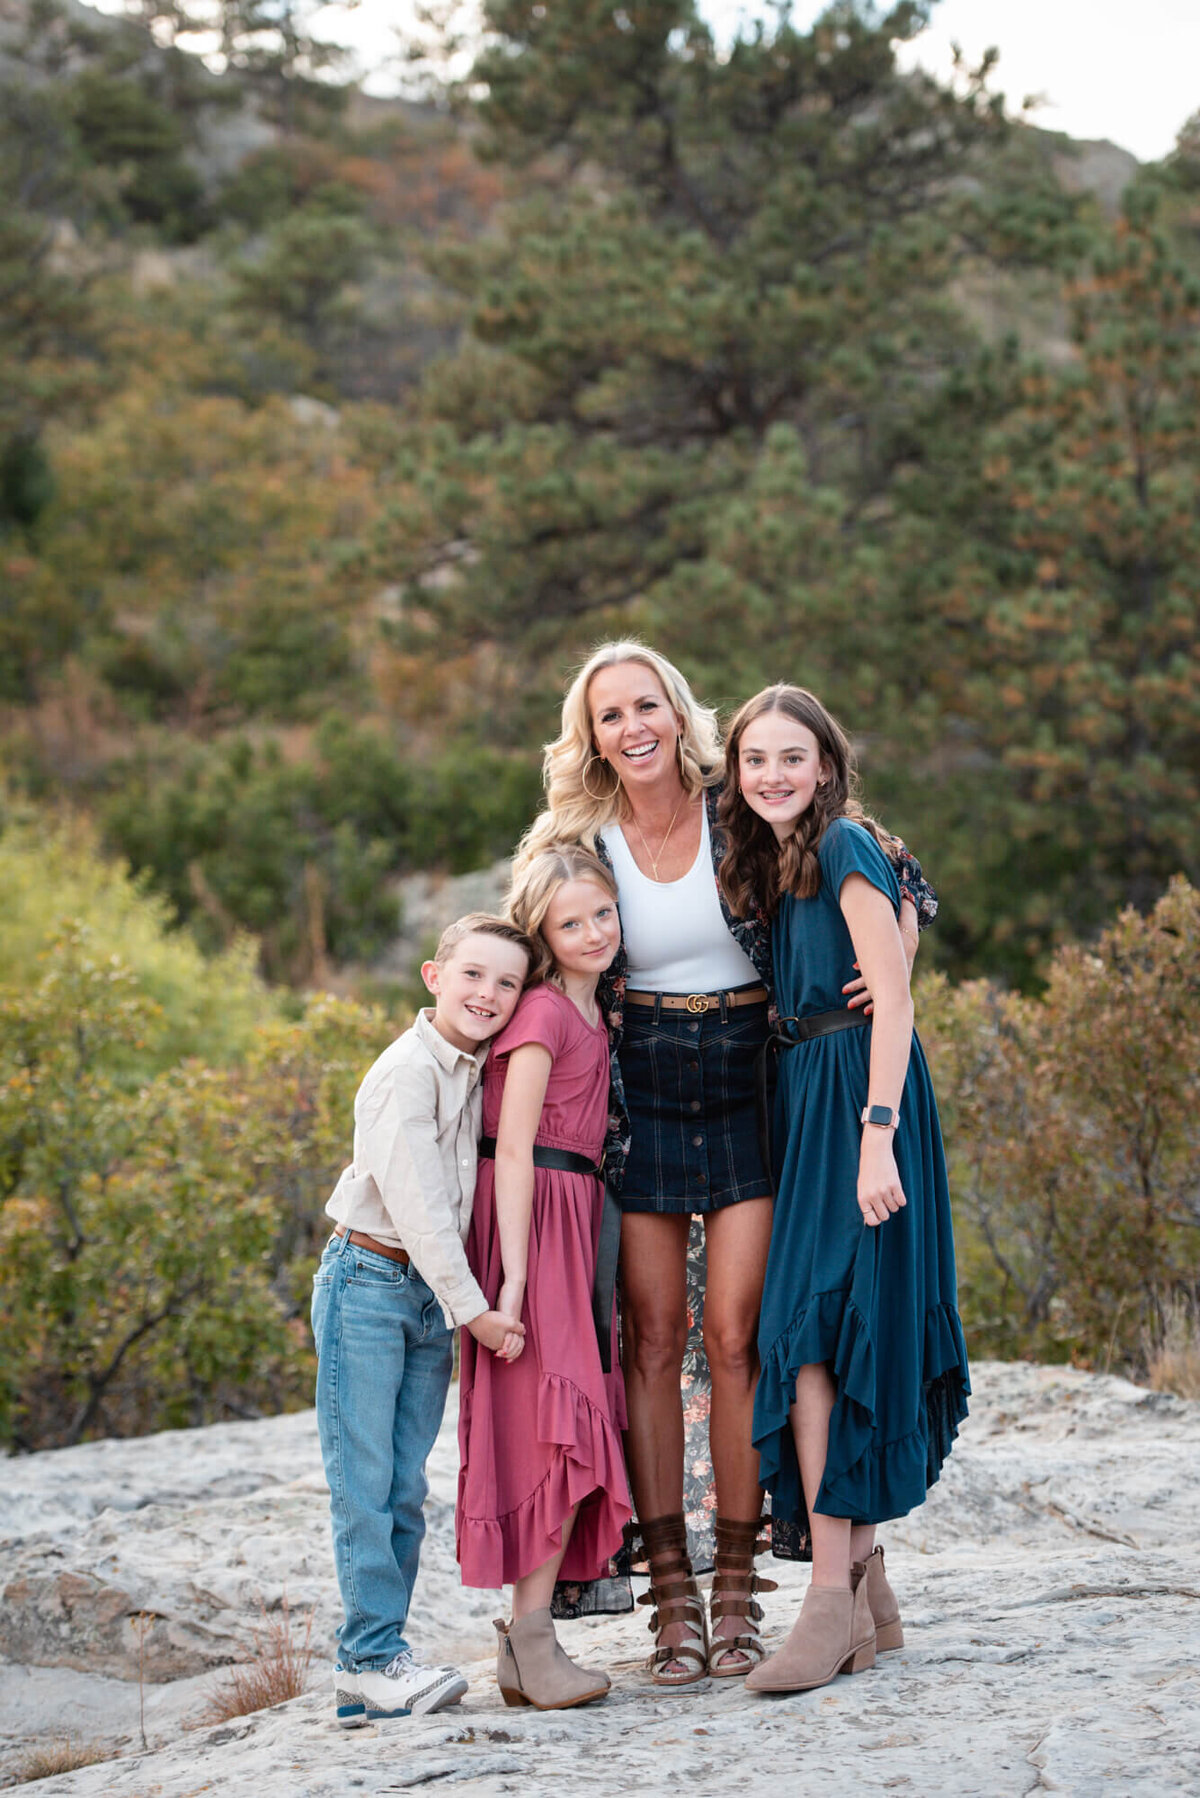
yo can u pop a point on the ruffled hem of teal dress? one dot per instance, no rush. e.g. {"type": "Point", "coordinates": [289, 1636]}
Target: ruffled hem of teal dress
{"type": "Point", "coordinates": [866, 1479]}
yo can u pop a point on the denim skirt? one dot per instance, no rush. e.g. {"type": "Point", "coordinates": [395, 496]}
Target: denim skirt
{"type": "Point", "coordinates": [691, 1092]}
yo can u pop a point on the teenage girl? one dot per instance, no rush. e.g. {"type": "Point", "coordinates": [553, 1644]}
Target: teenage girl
{"type": "Point", "coordinates": [542, 1490]}
{"type": "Point", "coordinates": [864, 1368]}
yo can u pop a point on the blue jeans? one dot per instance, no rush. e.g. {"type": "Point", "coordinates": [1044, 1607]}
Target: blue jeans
{"type": "Point", "coordinates": [384, 1359]}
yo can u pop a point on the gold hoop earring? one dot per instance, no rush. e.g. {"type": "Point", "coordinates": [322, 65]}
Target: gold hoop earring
{"type": "Point", "coordinates": [596, 798]}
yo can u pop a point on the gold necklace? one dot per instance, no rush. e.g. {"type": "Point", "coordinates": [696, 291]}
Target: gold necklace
{"type": "Point", "coordinates": [654, 860]}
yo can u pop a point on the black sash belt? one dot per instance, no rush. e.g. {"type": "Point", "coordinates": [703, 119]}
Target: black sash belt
{"type": "Point", "coordinates": [826, 1023]}
{"type": "Point", "coordinates": [791, 1032]}
{"type": "Point", "coordinates": [605, 1278]}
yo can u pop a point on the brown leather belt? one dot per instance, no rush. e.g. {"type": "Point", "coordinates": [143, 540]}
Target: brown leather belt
{"type": "Point", "coordinates": [369, 1242]}
{"type": "Point", "coordinates": [699, 1003]}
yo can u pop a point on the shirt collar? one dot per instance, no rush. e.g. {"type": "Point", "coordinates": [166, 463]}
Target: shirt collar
{"type": "Point", "coordinates": [443, 1052]}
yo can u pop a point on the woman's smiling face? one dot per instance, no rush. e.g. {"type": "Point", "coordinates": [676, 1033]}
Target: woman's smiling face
{"type": "Point", "coordinates": [778, 769]}
{"type": "Point", "coordinates": [633, 727]}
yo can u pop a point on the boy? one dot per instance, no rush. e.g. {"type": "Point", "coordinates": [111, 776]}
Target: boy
{"type": "Point", "coordinates": [392, 1284]}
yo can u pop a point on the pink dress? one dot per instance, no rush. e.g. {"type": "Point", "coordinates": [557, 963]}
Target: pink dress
{"type": "Point", "coordinates": [541, 1434]}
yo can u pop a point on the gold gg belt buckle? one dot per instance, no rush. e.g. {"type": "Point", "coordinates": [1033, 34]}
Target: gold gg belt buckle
{"type": "Point", "coordinates": [698, 1002]}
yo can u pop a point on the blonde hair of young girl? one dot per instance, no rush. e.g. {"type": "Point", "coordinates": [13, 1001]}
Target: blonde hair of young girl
{"type": "Point", "coordinates": [535, 882]}
{"type": "Point", "coordinates": [583, 792]}
{"type": "Point", "coordinates": [756, 866]}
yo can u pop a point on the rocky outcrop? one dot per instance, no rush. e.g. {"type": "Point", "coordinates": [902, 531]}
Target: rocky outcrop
{"type": "Point", "coordinates": [1050, 1589]}
{"type": "Point", "coordinates": [428, 902]}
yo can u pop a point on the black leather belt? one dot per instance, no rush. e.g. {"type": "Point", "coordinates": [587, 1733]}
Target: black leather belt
{"type": "Point", "coordinates": [565, 1160]}
{"type": "Point", "coordinates": [791, 1031]}
{"type": "Point", "coordinates": [789, 1034]}
{"type": "Point", "coordinates": [604, 1280]}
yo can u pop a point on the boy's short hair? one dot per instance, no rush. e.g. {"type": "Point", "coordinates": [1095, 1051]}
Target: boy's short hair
{"type": "Point", "coordinates": [483, 923]}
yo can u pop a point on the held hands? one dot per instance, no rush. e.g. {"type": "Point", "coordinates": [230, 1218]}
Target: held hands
{"type": "Point", "coordinates": [500, 1331]}
{"type": "Point", "coordinates": [879, 1190]}
{"type": "Point", "coordinates": [509, 1305]}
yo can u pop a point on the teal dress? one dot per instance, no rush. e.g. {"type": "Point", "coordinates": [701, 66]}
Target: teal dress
{"type": "Point", "coordinates": [877, 1304]}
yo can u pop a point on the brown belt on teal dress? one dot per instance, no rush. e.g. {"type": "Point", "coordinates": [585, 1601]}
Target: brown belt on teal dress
{"type": "Point", "coordinates": [605, 1278]}
{"type": "Point", "coordinates": [789, 1034]}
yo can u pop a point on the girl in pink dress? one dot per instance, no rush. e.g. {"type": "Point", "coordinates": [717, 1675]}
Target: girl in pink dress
{"type": "Point", "coordinates": [542, 1491]}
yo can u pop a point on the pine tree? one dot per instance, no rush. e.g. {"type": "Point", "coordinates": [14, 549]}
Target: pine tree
{"type": "Point", "coordinates": [721, 301]}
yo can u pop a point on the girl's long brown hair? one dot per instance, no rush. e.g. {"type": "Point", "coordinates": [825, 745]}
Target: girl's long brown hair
{"type": "Point", "coordinates": [757, 868]}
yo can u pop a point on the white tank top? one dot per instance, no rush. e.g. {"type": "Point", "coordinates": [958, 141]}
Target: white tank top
{"type": "Point", "coordinates": [675, 933]}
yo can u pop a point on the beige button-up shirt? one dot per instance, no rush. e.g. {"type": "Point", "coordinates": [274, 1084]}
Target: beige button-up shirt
{"type": "Point", "coordinates": [411, 1184]}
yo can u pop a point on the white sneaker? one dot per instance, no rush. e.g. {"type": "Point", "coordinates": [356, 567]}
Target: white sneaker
{"type": "Point", "coordinates": [347, 1699]}
{"type": "Point", "coordinates": [404, 1688]}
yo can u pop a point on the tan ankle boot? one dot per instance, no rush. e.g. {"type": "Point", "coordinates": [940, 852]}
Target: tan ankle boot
{"type": "Point", "coordinates": [531, 1668]}
{"type": "Point", "coordinates": [885, 1609]}
{"type": "Point", "coordinates": [833, 1634]}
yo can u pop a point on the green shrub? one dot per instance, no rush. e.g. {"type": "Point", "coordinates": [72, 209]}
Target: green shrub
{"type": "Point", "coordinates": [238, 838]}
{"type": "Point", "coordinates": [470, 805]}
{"type": "Point", "coordinates": [122, 127]}
{"type": "Point", "coordinates": [154, 1234]}
{"type": "Point", "coordinates": [299, 853]}
{"type": "Point", "coordinates": [54, 878]}
{"type": "Point", "coordinates": [1071, 1126]}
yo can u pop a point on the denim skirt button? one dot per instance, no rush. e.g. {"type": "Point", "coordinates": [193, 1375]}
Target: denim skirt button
{"type": "Point", "coordinates": [691, 1093]}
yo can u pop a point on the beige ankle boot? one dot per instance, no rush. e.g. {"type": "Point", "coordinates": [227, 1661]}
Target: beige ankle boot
{"type": "Point", "coordinates": [833, 1634]}
{"type": "Point", "coordinates": [531, 1668]}
{"type": "Point", "coordinates": [889, 1632]}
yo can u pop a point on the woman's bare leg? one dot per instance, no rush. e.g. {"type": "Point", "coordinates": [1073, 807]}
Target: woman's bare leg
{"type": "Point", "coordinates": [815, 1393]}
{"type": "Point", "coordinates": [737, 1239]}
{"type": "Point", "coordinates": [653, 1338]}
{"type": "Point", "coordinates": [654, 1335]}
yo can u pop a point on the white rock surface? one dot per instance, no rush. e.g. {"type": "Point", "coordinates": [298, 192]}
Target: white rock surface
{"type": "Point", "coordinates": [428, 902]}
{"type": "Point", "coordinates": [1051, 1592]}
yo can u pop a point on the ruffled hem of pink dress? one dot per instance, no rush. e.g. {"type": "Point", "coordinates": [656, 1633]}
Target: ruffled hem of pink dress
{"type": "Point", "coordinates": [587, 1468]}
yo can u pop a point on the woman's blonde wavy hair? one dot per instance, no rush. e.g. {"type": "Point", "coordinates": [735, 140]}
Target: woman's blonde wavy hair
{"type": "Point", "coordinates": [756, 867]}
{"type": "Point", "coordinates": [533, 887]}
{"type": "Point", "coordinates": [583, 794]}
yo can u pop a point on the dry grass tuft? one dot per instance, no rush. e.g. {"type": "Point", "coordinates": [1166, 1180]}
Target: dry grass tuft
{"type": "Point", "coordinates": [1173, 1354]}
{"type": "Point", "coordinates": [49, 1758]}
{"type": "Point", "coordinates": [279, 1671]}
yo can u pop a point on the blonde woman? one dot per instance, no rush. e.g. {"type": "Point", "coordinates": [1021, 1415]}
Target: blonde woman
{"type": "Point", "coordinates": [635, 775]}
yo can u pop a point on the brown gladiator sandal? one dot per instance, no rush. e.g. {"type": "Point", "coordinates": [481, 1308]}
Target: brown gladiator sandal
{"type": "Point", "coordinates": [676, 1599]}
{"type": "Point", "coordinates": [734, 1588]}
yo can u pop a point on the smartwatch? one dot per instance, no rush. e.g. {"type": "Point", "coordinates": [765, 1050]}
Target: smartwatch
{"type": "Point", "coordinates": [883, 1115]}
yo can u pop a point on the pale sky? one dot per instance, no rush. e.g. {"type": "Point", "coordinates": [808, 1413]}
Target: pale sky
{"type": "Point", "coordinates": [1127, 70]}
